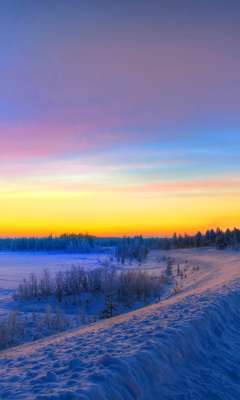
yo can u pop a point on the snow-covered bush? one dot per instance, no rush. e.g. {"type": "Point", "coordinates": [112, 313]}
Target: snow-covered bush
{"type": "Point", "coordinates": [16, 329]}
{"type": "Point", "coordinates": [137, 285]}
{"type": "Point", "coordinates": [55, 322]}
{"type": "Point", "coordinates": [11, 330]}
{"type": "Point", "coordinates": [127, 285]}
{"type": "Point", "coordinates": [132, 248]}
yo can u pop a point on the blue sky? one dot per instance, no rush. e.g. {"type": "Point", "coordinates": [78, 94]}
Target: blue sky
{"type": "Point", "coordinates": [98, 95]}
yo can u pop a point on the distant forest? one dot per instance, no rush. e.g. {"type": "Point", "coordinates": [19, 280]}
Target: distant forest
{"type": "Point", "coordinates": [219, 239]}
{"type": "Point", "coordinates": [68, 243]}
{"type": "Point", "coordinates": [125, 247]}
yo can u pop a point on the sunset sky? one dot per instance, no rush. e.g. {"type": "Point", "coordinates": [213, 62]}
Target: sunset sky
{"type": "Point", "coordinates": [119, 116]}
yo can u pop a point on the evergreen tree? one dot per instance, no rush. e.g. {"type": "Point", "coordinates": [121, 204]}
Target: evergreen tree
{"type": "Point", "coordinates": [166, 244]}
{"type": "Point", "coordinates": [221, 242]}
{"type": "Point", "coordinates": [228, 236]}
{"type": "Point", "coordinates": [180, 242]}
{"type": "Point", "coordinates": [175, 241]}
{"type": "Point", "coordinates": [198, 239]}
{"type": "Point", "coordinates": [206, 240]}
{"type": "Point", "coordinates": [111, 307]}
{"type": "Point", "coordinates": [186, 241]}
{"type": "Point", "coordinates": [235, 242]}
{"type": "Point", "coordinates": [212, 238]}
{"type": "Point", "coordinates": [169, 268]}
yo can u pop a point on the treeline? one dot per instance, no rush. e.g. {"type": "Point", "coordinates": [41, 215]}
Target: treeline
{"type": "Point", "coordinates": [125, 248]}
{"type": "Point", "coordinates": [66, 243]}
{"type": "Point", "coordinates": [69, 243]}
{"type": "Point", "coordinates": [220, 239]}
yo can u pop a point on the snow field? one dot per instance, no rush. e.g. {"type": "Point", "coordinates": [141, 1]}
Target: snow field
{"type": "Point", "coordinates": [185, 347]}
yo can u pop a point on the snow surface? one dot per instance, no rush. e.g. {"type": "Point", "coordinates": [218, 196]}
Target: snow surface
{"type": "Point", "coordinates": [16, 265]}
{"type": "Point", "coordinates": [185, 347]}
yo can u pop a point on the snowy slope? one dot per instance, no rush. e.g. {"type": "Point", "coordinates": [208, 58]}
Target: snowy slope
{"type": "Point", "coordinates": [186, 347]}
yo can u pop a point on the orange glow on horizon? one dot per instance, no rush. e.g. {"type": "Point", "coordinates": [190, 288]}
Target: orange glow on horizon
{"type": "Point", "coordinates": [117, 214]}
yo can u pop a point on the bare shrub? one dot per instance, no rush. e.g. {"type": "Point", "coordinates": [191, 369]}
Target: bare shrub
{"type": "Point", "coordinates": [11, 328]}
{"type": "Point", "coordinates": [126, 285]}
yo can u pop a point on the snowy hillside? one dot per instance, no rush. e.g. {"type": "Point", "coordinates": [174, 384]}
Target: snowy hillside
{"type": "Point", "coordinates": [185, 347]}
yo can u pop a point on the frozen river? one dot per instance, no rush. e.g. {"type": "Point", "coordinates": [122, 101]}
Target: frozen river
{"type": "Point", "coordinates": [15, 266]}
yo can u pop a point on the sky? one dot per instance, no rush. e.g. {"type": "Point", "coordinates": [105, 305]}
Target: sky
{"type": "Point", "coordinates": [119, 117]}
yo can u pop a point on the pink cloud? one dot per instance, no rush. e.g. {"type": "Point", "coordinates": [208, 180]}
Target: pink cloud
{"type": "Point", "coordinates": [181, 186]}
